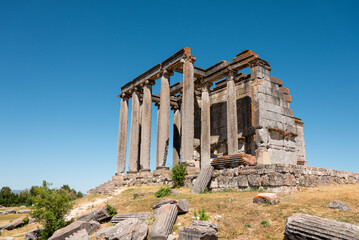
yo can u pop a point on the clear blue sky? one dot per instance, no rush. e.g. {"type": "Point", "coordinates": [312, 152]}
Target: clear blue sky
{"type": "Point", "coordinates": [62, 64]}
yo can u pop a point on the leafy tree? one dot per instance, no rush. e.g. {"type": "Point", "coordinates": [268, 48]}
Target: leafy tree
{"type": "Point", "coordinates": [50, 207]}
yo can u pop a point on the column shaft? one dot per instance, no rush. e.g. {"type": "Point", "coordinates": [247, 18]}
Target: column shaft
{"type": "Point", "coordinates": [232, 128]}
{"type": "Point", "coordinates": [122, 137]}
{"type": "Point", "coordinates": [187, 137]}
{"type": "Point", "coordinates": [146, 128]}
{"type": "Point", "coordinates": [205, 128]}
{"type": "Point", "coordinates": [163, 123]}
{"type": "Point", "coordinates": [135, 133]}
{"type": "Point", "coordinates": [176, 136]}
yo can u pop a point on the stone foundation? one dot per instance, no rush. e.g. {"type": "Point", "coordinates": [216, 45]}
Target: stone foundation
{"type": "Point", "coordinates": [274, 177]}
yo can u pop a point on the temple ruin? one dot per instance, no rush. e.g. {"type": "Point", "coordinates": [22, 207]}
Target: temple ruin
{"type": "Point", "coordinates": [216, 111]}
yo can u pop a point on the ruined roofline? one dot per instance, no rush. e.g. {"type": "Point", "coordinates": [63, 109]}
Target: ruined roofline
{"type": "Point", "coordinates": [211, 74]}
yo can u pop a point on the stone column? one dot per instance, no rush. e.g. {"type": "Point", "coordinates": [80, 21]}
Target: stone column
{"type": "Point", "coordinates": [122, 136]}
{"type": "Point", "coordinates": [205, 126]}
{"type": "Point", "coordinates": [135, 133]}
{"type": "Point", "coordinates": [146, 126]}
{"type": "Point", "coordinates": [163, 124]}
{"type": "Point", "coordinates": [158, 130]}
{"type": "Point", "coordinates": [232, 128]}
{"type": "Point", "coordinates": [187, 137]}
{"type": "Point", "coordinates": [176, 135]}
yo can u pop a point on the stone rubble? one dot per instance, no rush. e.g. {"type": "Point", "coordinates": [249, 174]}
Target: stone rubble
{"type": "Point", "coordinates": [98, 215]}
{"type": "Point", "coordinates": [33, 235]}
{"type": "Point", "coordinates": [199, 230]}
{"type": "Point", "coordinates": [182, 205]}
{"type": "Point", "coordinates": [203, 179]}
{"type": "Point", "coordinates": [266, 198]}
{"type": "Point", "coordinates": [67, 231]}
{"type": "Point", "coordinates": [128, 229]}
{"type": "Point", "coordinates": [142, 216]}
{"type": "Point", "coordinates": [165, 217]}
{"type": "Point", "coordinates": [79, 235]}
{"type": "Point", "coordinates": [339, 205]}
{"type": "Point", "coordinates": [19, 222]}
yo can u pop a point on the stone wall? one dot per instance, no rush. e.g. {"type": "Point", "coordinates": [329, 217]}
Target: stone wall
{"type": "Point", "coordinates": [274, 177]}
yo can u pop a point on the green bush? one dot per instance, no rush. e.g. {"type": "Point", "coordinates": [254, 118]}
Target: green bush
{"type": "Point", "coordinates": [50, 206]}
{"type": "Point", "coordinates": [26, 220]}
{"type": "Point", "coordinates": [201, 215]}
{"type": "Point", "coordinates": [265, 223]}
{"type": "Point", "coordinates": [163, 192]}
{"type": "Point", "coordinates": [111, 210]}
{"type": "Point", "coordinates": [178, 174]}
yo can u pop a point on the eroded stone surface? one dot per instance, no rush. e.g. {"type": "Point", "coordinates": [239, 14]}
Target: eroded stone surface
{"type": "Point", "coordinates": [74, 227]}
{"type": "Point", "coordinates": [98, 215]}
{"type": "Point", "coordinates": [129, 229]}
{"type": "Point", "coordinates": [339, 205]}
{"type": "Point", "coordinates": [199, 230]}
{"type": "Point", "coordinates": [266, 198]}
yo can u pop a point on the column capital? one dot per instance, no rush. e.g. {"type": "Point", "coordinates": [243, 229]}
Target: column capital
{"type": "Point", "coordinates": [157, 104]}
{"type": "Point", "coordinates": [175, 107]}
{"type": "Point", "coordinates": [167, 73]}
{"type": "Point", "coordinates": [230, 73]}
{"type": "Point", "coordinates": [206, 86]}
{"type": "Point", "coordinates": [260, 63]}
{"type": "Point", "coordinates": [191, 59]}
{"type": "Point", "coordinates": [124, 96]}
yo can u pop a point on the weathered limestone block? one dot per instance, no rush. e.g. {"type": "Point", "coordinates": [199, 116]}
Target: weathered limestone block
{"type": "Point", "coordinates": [199, 230]}
{"type": "Point", "coordinates": [266, 198]}
{"type": "Point", "coordinates": [79, 235]}
{"type": "Point", "coordinates": [203, 179]}
{"type": "Point", "coordinates": [304, 226]}
{"type": "Point", "coordinates": [339, 205]}
{"type": "Point", "coordinates": [129, 229]}
{"type": "Point", "coordinates": [142, 216]}
{"type": "Point", "coordinates": [9, 211]}
{"type": "Point", "coordinates": [74, 227]}
{"type": "Point", "coordinates": [165, 218]}
{"type": "Point", "coordinates": [182, 205]}
{"type": "Point", "coordinates": [19, 222]}
{"type": "Point", "coordinates": [25, 211]}
{"type": "Point", "coordinates": [33, 235]}
{"type": "Point", "coordinates": [98, 215]}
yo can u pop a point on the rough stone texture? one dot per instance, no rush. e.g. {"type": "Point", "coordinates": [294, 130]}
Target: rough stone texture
{"type": "Point", "coordinates": [142, 216]}
{"type": "Point", "coordinates": [146, 116]}
{"type": "Point", "coordinates": [19, 222]}
{"type": "Point", "coordinates": [122, 137]}
{"type": "Point", "coordinates": [133, 160]}
{"type": "Point", "coordinates": [8, 211]}
{"type": "Point", "coordinates": [129, 229]}
{"type": "Point", "coordinates": [339, 205]}
{"type": "Point", "coordinates": [33, 235]}
{"type": "Point", "coordinates": [79, 235]}
{"type": "Point", "coordinates": [199, 230]}
{"type": "Point", "coordinates": [74, 227]}
{"type": "Point", "coordinates": [266, 198]}
{"type": "Point", "coordinates": [25, 211]}
{"type": "Point", "coordinates": [304, 226]}
{"type": "Point", "coordinates": [98, 215]}
{"type": "Point", "coordinates": [172, 237]}
{"type": "Point", "coordinates": [203, 179]}
{"type": "Point", "coordinates": [165, 218]}
{"type": "Point", "coordinates": [182, 205]}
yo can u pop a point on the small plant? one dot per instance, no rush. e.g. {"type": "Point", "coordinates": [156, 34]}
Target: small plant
{"type": "Point", "coordinates": [265, 223]}
{"type": "Point", "coordinates": [178, 174]}
{"type": "Point", "coordinates": [163, 192]}
{"type": "Point", "coordinates": [201, 215]}
{"type": "Point", "coordinates": [247, 225]}
{"type": "Point", "coordinates": [111, 210]}
{"type": "Point", "coordinates": [26, 220]}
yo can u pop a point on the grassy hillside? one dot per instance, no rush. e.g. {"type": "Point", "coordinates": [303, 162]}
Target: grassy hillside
{"type": "Point", "coordinates": [234, 213]}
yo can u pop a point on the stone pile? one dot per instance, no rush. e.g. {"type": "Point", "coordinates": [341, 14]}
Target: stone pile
{"type": "Point", "coordinates": [233, 161]}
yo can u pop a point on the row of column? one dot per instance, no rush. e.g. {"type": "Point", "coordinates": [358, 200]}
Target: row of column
{"type": "Point", "coordinates": [183, 135]}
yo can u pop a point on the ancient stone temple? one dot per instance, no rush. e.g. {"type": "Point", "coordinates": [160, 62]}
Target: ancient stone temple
{"type": "Point", "coordinates": [216, 111]}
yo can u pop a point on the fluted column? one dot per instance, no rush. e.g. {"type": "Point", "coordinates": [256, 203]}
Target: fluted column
{"type": "Point", "coordinates": [146, 126]}
{"type": "Point", "coordinates": [205, 126]}
{"type": "Point", "coordinates": [176, 135]}
{"type": "Point", "coordinates": [163, 123]}
{"type": "Point", "coordinates": [232, 128]}
{"type": "Point", "coordinates": [187, 137]}
{"type": "Point", "coordinates": [133, 160]}
{"type": "Point", "coordinates": [122, 136]}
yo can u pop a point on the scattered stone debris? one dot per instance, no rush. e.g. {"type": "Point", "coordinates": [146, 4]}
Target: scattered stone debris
{"type": "Point", "coordinates": [266, 198]}
{"type": "Point", "coordinates": [19, 222]}
{"type": "Point", "coordinates": [74, 227]}
{"type": "Point", "coordinates": [203, 179]}
{"type": "Point", "coordinates": [182, 205]}
{"type": "Point", "coordinates": [142, 216]}
{"type": "Point", "coordinates": [99, 215]}
{"type": "Point", "coordinates": [33, 235]}
{"type": "Point", "coordinates": [25, 211]}
{"type": "Point", "coordinates": [129, 229]}
{"type": "Point", "coordinates": [8, 211]}
{"type": "Point", "coordinates": [79, 235]}
{"type": "Point", "coordinates": [166, 216]}
{"type": "Point", "coordinates": [304, 226]}
{"type": "Point", "coordinates": [199, 230]}
{"type": "Point", "coordinates": [339, 205]}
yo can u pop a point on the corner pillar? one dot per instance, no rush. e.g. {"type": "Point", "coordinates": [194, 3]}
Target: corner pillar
{"type": "Point", "coordinates": [205, 126]}
{"type": "Point", "coordinates": [232, 128]}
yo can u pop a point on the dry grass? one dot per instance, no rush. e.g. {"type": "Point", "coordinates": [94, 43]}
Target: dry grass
{"type": "Point", "coordinates": [234, 213]}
